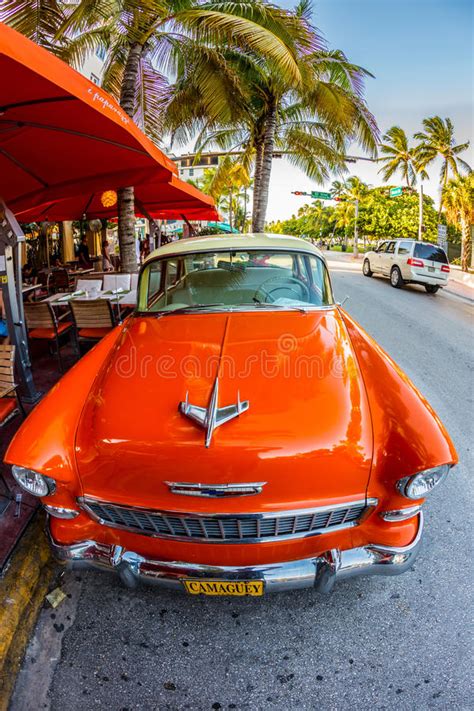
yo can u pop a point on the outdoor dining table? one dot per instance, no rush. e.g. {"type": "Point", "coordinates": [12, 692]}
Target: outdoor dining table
{"type": "Point", "coordinates": [120, 298]}
{"type": "Point", "coordinates": [28, 288]}
{"type": "Point", "coordinates": [79, 272]}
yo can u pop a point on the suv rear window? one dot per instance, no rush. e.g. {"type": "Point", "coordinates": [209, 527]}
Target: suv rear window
{"type": "Point", "coordinates": [430, 251]}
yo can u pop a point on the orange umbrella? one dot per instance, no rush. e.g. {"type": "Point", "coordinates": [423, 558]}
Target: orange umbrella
{"type": "Point", "coordinates": [60, 134]}
{"type": "Point", "coordinates": [173, 200]}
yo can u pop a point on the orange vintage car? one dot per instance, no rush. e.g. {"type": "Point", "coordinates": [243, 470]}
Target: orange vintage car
{"type": "Point", "coordinates": [238, 434]}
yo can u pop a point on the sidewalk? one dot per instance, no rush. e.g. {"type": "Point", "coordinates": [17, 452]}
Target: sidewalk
{"type": "Point", "coordinates": [460, 283]}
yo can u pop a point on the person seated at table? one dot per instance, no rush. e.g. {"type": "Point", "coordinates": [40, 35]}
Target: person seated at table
{"type": "Point", "coordinates": [106, 263]}
{"type": "Point", "coordinates": [83, 254]}
{"type": "Point", "coordinates": [56, 263]}
{"type": "Point", "coordinates": [30, 275]}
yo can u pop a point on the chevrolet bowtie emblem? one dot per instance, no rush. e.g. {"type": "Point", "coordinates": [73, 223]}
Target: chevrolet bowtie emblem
{"type": "Point", "coordinates": [213, 416]}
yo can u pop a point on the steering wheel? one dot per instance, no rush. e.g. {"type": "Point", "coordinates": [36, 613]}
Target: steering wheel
{"type": "Point", "coordinates": [290, 284]}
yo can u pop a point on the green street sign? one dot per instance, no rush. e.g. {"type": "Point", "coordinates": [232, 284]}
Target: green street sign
{"type": "Point", "coordinates": [395, 192]}
{"type": "Point", "coordinates": [321, 196]}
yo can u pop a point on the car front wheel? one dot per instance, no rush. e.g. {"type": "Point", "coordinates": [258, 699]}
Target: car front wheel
{"type": "Point", "coordinates": [431, 288]}
{"type": "Point", "coordinates": [396, 278]}
{"type": "Point", "coordinates": [366, 270]}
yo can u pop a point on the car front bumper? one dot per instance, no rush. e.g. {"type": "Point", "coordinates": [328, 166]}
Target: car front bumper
{"type": "Point", "coordinates": [320, 572]}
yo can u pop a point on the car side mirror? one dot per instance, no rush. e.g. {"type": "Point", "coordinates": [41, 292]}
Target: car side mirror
{"type": "Point", "coordinates": [341, 303]}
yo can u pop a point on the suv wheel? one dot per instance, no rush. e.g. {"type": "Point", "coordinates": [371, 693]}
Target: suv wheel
{"type": "Point", "coordinates": [431, 288]}
{"type": "Point", "coordinates": [396, 278]}
{"type": "Point", "coordinates": [366, 270]}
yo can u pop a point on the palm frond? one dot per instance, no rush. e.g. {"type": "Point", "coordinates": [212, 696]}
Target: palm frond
{"type": "Point", "coordinates": [37, 19]}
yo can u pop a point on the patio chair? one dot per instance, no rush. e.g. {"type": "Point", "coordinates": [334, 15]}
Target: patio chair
{"type": "Point", "coordinates": [117, 281]}
{"type": "Point", "coordinates": [59, 281]}
{"type": "Point", "coordinates": [94, 319]}
{"type": "Point", "coordinates": [43, 324]}
{"type": "Point", "coordinates": [10, 403]}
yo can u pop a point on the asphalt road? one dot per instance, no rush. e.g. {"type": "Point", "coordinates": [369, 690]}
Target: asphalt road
{"type": "Point", "coordinates": [378, 642]}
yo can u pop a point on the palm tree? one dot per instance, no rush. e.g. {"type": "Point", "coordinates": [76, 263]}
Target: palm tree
{"type": "Point", "coordinates": [309, 123]}
{"type": "Point", "coordinates": [458, 202]}
{"type": "Point", "coordinates": [399, 157]}
{"type": "Point", "coordinates": [229, 178]}
{"type": "Point", "coordinates": [146, 39]}
{"type": "Point", "coordinates": [437, 139]}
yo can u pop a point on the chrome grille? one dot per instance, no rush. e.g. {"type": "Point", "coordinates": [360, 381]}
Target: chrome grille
{"type": "Point", "coordinates": [227, 528]}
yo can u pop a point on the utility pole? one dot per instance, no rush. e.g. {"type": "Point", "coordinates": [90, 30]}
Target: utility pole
{"type": "Point", "coordinates": [420, 214]}
{"type": "Point", "coordinates": [356, 230]}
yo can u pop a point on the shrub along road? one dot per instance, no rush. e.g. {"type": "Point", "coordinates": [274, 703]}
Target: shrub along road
{"type": "Point", "coordinates": [397, 642]}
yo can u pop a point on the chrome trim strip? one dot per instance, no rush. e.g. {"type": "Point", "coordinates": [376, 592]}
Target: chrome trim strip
{"type": "Point", "coordinates": [215, 491]}
{"type": "Point", "coordinates": [319, 572]}
{"type": "Point", "coordinates": [368, 504]}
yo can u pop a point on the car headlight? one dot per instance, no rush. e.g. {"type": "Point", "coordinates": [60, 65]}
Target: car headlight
{"type": "Point", "coordinates": [33, 482]}
{"type": "Point", "coordinates": [418, 486]}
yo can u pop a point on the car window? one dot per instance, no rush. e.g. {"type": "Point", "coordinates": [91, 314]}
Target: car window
{"type": "Point", "coordinates": [390, 248]}
{"type": "Point", "coordinates": [154, 282]}
{"type": "Point", "coordinates": [430, 251]}
{"type": "Point", "coordinates": [381, 247]}
{"type": "Point", "coordinates": [404, 247]}
{"type": "Point", "coordinates": [235, 278]}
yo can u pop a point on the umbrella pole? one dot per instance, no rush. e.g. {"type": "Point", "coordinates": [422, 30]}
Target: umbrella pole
{"type": "Point", "coordinates": [155, 226]}
{"type": "Point", "coordinates": [192, 231]}
{"type": "Point", "coordinates": [11, 238]}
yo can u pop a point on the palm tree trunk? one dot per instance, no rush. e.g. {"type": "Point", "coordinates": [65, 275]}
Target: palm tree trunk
{"type": "Point", "coordinates": [231, 217]}
{"type": "Point", "coordinates": [257, 183]}
{"type": "Point", "coordinates": [126, 198]}
{"type": "Point", "coordinates": [443, 186]}
{"type": "Point", "coordinates": [266, 170]}
{"type": "Point", "coordinates": [465, 245]}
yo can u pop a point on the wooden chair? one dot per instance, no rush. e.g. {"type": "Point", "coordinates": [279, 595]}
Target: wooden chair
{"type": "Point", "coordinates": [94, 318]}
{"type": "Point", "coordinates": [59, 281]}
{"type": "Point", "coordinates": [10, 403]}
{"type": "Point", "coordinates": [43, 324]}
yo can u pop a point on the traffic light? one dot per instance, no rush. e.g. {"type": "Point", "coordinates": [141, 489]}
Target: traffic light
{"type": "Point", "coordinates": [298, 192]}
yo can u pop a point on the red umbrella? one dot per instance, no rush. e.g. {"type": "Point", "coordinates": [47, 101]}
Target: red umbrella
{"type": "Point", "coordinates": [167, 201]}
{"type": "Point", "coordinates": [60, 134]}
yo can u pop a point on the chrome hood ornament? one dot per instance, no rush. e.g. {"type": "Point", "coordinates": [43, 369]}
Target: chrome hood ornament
{"type": "Point", "coordinates": [215, 491]}
{"type": "Point", "coordinates": [213, 416]}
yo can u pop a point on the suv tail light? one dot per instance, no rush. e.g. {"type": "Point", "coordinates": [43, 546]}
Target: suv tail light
{"type": "Point", "coordinates": [415, 262]}
{"type": "Point", "coordinates": [445, 268]}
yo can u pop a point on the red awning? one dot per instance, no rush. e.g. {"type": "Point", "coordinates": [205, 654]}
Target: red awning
{"type": "Point", "coordinates": [60, 134]}
{"type": "Point", "coordinates": [166, 201]}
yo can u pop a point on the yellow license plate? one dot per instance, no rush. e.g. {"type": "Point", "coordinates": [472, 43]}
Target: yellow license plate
{"type": "Point", "coordinates": [239, 588]}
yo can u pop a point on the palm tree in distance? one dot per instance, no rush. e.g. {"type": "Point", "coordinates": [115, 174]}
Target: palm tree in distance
{"type": "Point", "coordinates": [437, 139]}
{"type": "Point", "coordinates": [308, 123]}
{"type": "Point", "coordinates": [145, 41]}
{"type": "Point", "coordinates": [458, 203]}
{"type": "Point", "coordinates": [399, 157]}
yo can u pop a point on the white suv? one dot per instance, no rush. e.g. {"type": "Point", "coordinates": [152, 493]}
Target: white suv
{"type": "Point", "coordinates": [407, 261]}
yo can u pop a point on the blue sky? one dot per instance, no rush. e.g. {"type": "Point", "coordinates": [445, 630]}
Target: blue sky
{"type": "Point", "coordinates": [421, 53]}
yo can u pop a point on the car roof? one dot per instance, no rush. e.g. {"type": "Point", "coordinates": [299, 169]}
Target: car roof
{"type": "Point", "coordinates": [409, 239]}
{"type": "Point", "coordinates": [230, 242]}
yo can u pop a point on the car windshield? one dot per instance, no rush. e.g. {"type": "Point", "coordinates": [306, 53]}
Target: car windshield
{"type": "Point", "coordinates": [430, 251]}
{"type": "Point", "coordinates": [242, 278]}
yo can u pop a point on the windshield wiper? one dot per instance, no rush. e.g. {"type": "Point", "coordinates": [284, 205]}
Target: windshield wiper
{"type": "Point", "coordinates": [190, 307]}
{"type": "Point", "coordinates": [266, 304]}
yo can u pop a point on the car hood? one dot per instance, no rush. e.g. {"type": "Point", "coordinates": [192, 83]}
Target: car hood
{"type": "Point", "coordinates": [307, 432]}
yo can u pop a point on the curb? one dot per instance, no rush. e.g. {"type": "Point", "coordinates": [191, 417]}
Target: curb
{"type": "Point", "coordinates": [22, 590]}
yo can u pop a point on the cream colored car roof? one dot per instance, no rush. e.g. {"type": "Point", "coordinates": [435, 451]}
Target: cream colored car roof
{"type": "Point", "coordinates": [248, 241]}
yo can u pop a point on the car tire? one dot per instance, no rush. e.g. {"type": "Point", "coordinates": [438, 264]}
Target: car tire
{"type": "Point", "coordinates": [396, 278]}
{"type": "Point", "coordinates": [366, 270]}
{"type": "Point", "coordinates": [431, 288]}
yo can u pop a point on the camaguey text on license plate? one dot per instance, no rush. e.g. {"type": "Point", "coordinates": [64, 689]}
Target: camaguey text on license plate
{"type": "Point", "coordinates": [224, 587]}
